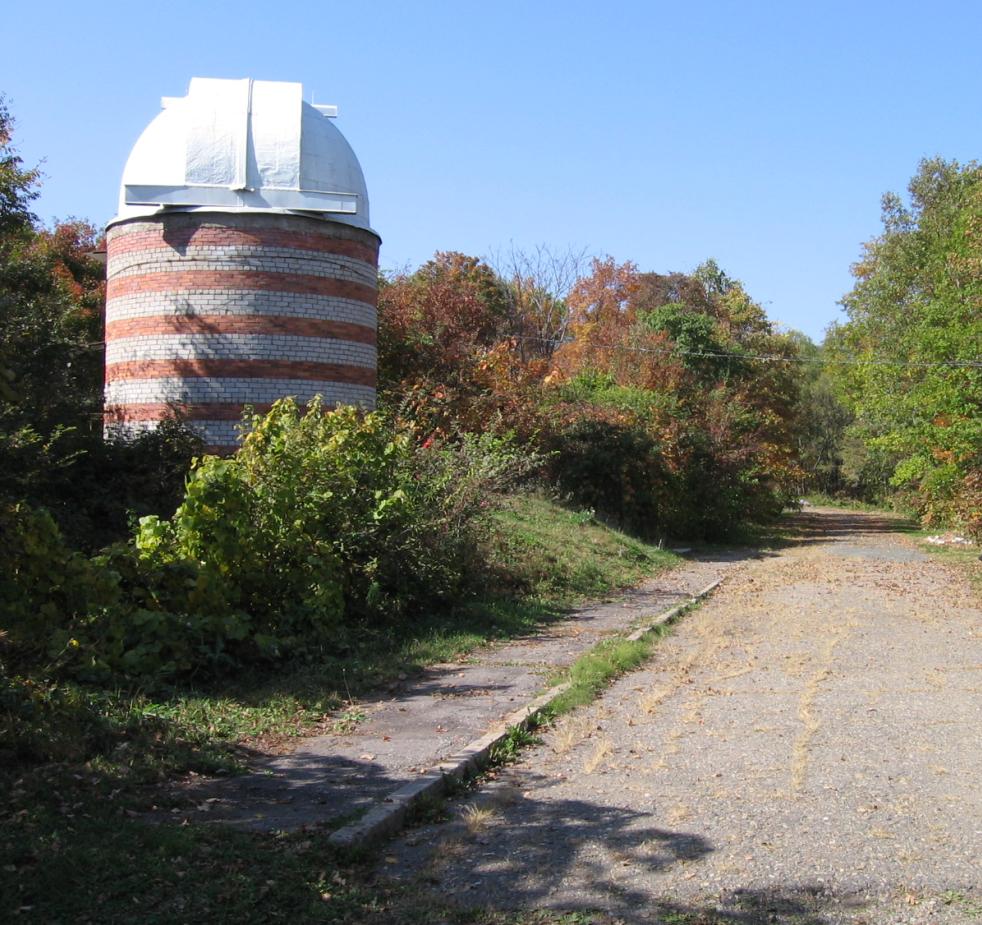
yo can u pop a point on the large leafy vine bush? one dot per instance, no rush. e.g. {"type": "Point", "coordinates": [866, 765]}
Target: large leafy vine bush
{"type": "Point", "coordinates": [321, 522]}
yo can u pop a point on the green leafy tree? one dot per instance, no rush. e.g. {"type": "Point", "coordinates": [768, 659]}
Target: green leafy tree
{"type": "Point", "coordinates": [821, 420]}
{"type": "Point", "coordinates": [52, 294]}
{"type": "Point", "coordinates": [913, 342]}
{"type": "Point", "coordinates": [18, 184]}
{"type": "Point", "coordinates": [50, 333]}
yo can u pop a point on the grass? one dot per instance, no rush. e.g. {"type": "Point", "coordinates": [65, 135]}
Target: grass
{"type": "Point", "coordinates": [74, 860]}
{"type": "Point", "coordinates": [517, 739]}
{"type": "Point", "coordinates": [76, 764]}
{"type": "Point", "coordinates": [566, 556]}
{"type": "Point", "coordinates": [847, 504]}
{"type": "Point", "coordinates": [594, 670]}
{"type": "Point", "coordinates": [605, 662]}
{"type": "Point", "coordinates": [969, 906]}
{"type": "Point", "coordinates": [586, 678]}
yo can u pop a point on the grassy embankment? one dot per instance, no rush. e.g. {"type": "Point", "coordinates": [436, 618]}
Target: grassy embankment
{"type": "Point", "coordinates": [69, 851]}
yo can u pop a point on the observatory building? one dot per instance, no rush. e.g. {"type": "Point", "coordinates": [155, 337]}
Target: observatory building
{"type": "Point", "coordinates": [241, 265]}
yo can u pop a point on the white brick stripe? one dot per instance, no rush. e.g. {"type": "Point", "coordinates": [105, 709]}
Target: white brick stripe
{"type": "Point", "coordinates": [219, 433]}
{"type": "Point", "coordinates": [240, 347]}
{"type": "Point", "coordinates": [234, 257]}
{"type": "Point", "coordinates": [211, 389]}
{"type": "Point", "coordinates": [214, 433]}
{"type": "Point", "coordinates": [241, 302]}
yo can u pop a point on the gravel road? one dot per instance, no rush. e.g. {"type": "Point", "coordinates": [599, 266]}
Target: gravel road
{"type": "Point", "coordinates": [803, 748]}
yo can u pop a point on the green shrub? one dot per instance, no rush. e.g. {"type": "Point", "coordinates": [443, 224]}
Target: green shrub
{"type": "Point", "coordinates": [114, 615]}
{"type": "Point", "coordinates": [173, 619]}
{"type": "Point", "coordinates": [616, 469]}
{"type": "Point", "coordinates": [320, 522]}
{"type": "Point", "coordinates": [322, 518]}
{"type": "Point", "coordinates": [93, 487]}
{"type": "Point", "coordinates": [45, 586]}
{"type": "Point", "coordinates": [601, 390]}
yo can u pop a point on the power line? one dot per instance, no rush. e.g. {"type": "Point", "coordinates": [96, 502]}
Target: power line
{"type": "Point", "coordinates": [769, 358]}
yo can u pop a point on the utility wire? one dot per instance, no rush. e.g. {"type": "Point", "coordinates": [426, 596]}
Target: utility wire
{"type": "Point", "coordinates": [766, 357]}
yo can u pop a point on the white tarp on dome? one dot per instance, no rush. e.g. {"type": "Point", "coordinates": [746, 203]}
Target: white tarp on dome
{"type": "Point", "coordinates": [244, 145]}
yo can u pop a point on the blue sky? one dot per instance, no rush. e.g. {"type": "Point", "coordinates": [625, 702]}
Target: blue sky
{"type": "Point", "coordinates": [762, 134]}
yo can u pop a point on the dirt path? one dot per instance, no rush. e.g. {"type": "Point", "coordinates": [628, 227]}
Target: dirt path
{"type": "Point", "coordinates": [804, 748]}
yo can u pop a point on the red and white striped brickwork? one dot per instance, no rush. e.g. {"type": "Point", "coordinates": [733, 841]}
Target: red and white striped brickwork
{"type": "Point", "coordinates": [208, 312]}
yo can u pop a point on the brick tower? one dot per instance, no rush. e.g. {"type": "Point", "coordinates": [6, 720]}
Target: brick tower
{"type": "Point", "coordinates": [241, 266]}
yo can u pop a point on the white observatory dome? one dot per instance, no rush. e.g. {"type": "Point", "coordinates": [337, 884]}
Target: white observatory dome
{"type": "Point", "coordinates": [244, 146]}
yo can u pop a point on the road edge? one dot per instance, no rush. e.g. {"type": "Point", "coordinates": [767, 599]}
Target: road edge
{"type": "Point", "coordinates": [388, 817]}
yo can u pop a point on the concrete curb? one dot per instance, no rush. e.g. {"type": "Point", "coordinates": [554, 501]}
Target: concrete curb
{"type": "Point", "coordinates": [387, 817]}
{"type": "Point", "coordinates": [674, 612]}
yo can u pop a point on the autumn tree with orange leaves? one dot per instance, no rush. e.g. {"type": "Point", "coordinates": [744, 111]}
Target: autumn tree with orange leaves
{"type": "Point", "coordinates": [448, 356]}
{"type": "Point", "coordinates": [678, 409]}
{"type": "Point", "coordinates": [655, 407]}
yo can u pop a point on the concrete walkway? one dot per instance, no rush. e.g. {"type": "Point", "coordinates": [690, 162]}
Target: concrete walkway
{"type": "Point", "coordinates": [331, 779]}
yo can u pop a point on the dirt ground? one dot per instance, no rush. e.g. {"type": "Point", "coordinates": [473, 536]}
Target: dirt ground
{"type": "Point", "coordinates": [806, 747]}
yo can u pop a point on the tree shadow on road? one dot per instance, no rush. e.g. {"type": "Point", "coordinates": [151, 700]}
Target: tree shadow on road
{"type": "Point", "coordinates": [805, 528]}
{"type": "Point", "coordinates": [504, 849]}
{"type": "Point", "coordinates": [505, 857]}
{"type": "Point", "coordinates": [829, 525]}
{"type": "Point", "coordinates": [795, 904]}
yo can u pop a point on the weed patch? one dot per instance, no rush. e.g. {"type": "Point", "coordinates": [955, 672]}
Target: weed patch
{"type": "Point", "coordinates": [518, 737]}
{"type": "Point", "coordinates": [427, 810]}
{"type": "Point", "coordinates": [592, 672]}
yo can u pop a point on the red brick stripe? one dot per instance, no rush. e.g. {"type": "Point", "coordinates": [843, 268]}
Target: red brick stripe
{"type": "Point", "coordinates": [182, 281]}
{"type": "Point", "coordinates": [240, 369]}
{"type": "Point", "coordinates": [238, 324]}
{"type": "Point", "coordinates": [122, 241]}
{"type": "Point", "coordinates": [204, 411]}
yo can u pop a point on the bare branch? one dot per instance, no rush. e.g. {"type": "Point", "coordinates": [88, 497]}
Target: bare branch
{"type": "Point", "coordinates": [540, 281]}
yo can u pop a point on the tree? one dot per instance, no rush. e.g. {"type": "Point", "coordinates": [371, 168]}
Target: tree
{"type": "Point", "coordinates": [911, 351]}
{"type": "Point", "coordinates": [446, 355]}
{"type": "Point", "coordinates": [52, 295]}
{"type": "Point", "coordinates": [821, 420]}
{"type": "Point", "coordinates": [433, 320]}
{"type": "Point", "coordinates": [540, 281]}
{"type": "Point", "coordinates": [696, 375]}
{"type": "Point", "coordinates": [51, 303]}
{"type": "Point", "coordinates": [18, 188]}
{"type": "Point", "coordinates": [18, 185]}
